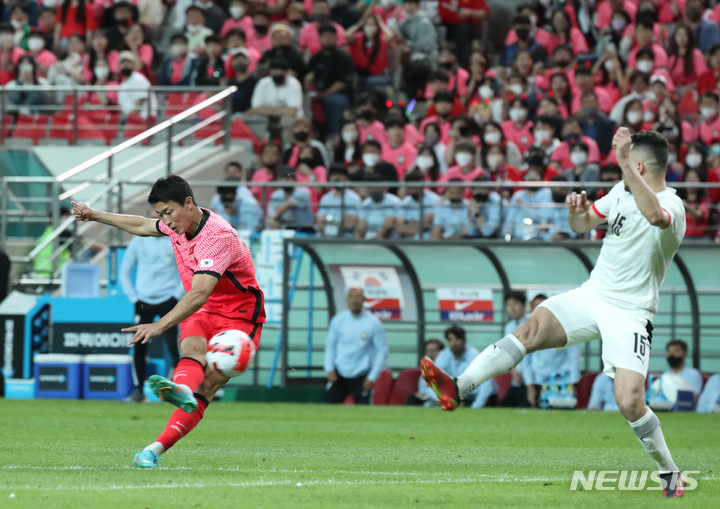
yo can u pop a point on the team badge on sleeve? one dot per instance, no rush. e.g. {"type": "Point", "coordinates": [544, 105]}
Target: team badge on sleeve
{"type": "Point", "coordinates": [205, 264]}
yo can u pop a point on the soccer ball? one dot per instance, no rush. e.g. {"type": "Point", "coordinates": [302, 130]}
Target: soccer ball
{"type": "Point", "coordinates": [230, 352]}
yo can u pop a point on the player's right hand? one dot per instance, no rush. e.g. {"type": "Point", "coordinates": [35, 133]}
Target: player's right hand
{"type": "Point", "coordinates": [577, 203]}
{"type": "Point", "coordinates": [82, 212]}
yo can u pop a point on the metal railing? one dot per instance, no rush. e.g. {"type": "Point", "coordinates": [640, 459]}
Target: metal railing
{"type": "Point", "coordinates": [73, 118]}
{"type": "Point", "coordinates": [112, 191]}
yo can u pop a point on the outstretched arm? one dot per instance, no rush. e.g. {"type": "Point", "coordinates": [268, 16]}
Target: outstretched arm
{"type": "Point", "coordinates": [136, 225]}
{"type": "Point", "coordinates": [202, 287]}
{"type": "Point", "coordinates": [646, 199]}
{"type": "Point", "coordinates": [582, 218]}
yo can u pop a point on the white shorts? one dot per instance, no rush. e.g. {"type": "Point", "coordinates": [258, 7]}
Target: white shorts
{"type": "Point", "coordinates": [626, 334]}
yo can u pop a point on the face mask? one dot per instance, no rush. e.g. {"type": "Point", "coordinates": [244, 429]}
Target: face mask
{"type": "Point", "coordinates": [693, 160]}
{"type": "Point", "coordinates": [371, 160]}
{"type": "Point", "coordinates": [193, 29]}
{"type": "Point", "coordinates": [25, 67]}
{"type": "Point", "coordinates": [35, 44]}
{"type": "Point", "coordinates": [645, 66]}
{"type": "Point", "coordinates": [610, 65]}
{"type": "Point", "coordinates": [494, 160]}
{"type": "Point", "coordinates": [486, 92]}
{"type": "Point", "coordinates": [126, 72]}
{"type": "Point", "coordinates": [634, 117]}
{"type": "Point", "coordinates": [542, 136]}
{"type": "Point", "coordinates": [674, 361]}
{"type": "Point", "coordinates": [516, 89]}
{"type": "Point", "coordinates": [178, 50]}
{"type": "Point", "coordinates": [102, 73]}
{"type": "Point", "coordinates": [492, 138]}
{"type": "Point", "coordinates": [463, 159]}
{"type": "Point", "coordinates": [522, 33]}
{"type": "Point", "coordinates": [237, 11]}
{"type": "Point", "coordinates": [17, 25]}
{"type": "Point", "coordinates": [648, 116]}
{"type": "Point", "coordinates": [424, 162]}
{"type": "Point", "coordinates": [578, 158]}
{"type": "Point", "coordinates": [672, 158]}
{"type": "Point", "coordinates": [370, 31]}
{"type": "Point", "coordinates": [349, 136]}
{"type": "Point", "coordinates": [590, 111]}
{"type": "Point", "coordinates": [261, 29]}
{"type": "Point", "coordinates": [708, 113]}
{"type": "Point", "coordinates": [278, 79]}
{"type": "Point", "coordinates": [618, 24]}
{"type": "Point", "coordinates": [517, 114]}
{"type": "Point", "coordinates": [301, 135]}
{"type": "Point", "coordinates": [240, 68]}
{"type": "Point", "coordinates": [377, 196]}
{"type": "Point", "coordinates": [431, 139]}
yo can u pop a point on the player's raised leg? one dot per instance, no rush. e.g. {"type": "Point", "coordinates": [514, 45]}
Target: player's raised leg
{"type": "Point", "coordinates": [541, 330]}
{"type": "Point", "coordinates": [630, 397]}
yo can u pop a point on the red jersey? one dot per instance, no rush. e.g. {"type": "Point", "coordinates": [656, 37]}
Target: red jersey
{"type": "Point", "coordinates": [449, 11]}
{"type": "Point", "coordinates": [216, 249]}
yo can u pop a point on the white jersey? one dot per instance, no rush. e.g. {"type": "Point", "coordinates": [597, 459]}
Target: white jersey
{"type": "Point", "coordinates": [635, 255]}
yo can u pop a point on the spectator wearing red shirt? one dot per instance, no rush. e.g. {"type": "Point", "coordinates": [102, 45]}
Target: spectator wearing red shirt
{"type": "Point", "coordinates": [179, 68]}
{"type": "Point", "coordinates": [492, 135]}
{"type": "Point", "coordinates": [561, 90]}
{"type": "Point", "coordinates": [100, 48]}
{"type": "Point", "coordinates": [443, 102]}
{"type": "Point", "coordinates": [235, 41]}
{"type": "Point", "coordinates": [437, 81]}
{"type": "Point", "coordinates": [563, 33]}
{"type": "Point", "coordinates": [686, 62]}
{"type": "Point", "coordinates": [44, 59]}
{"type": "Point", "coordinates": [585, 83]}
{"type": "Point", "coordinates": [368, 48]}
{"type": "Point", "coordinates": [369, 126]}
{"type": "Point", "coordinates": [74, 16]}
{"type": "Point", "coordinates": [644, 35]}
{"type": "Point", "coordinates": [426, 164]}
{"type": "Point", "coordinates": [462, 18]}
{"type": "Point", "coordinates": [270, 157]}
{"type": "Point", "coordinates": [258, 37]}
{"type": "Point", "coordinates": [239, 18]}
{"type": "Point", "coordinates": [144, 53]}
{"type": "Point", "coordinates": [708, 80]}
{"type": "Point", "coordinates": [465, 167]}
{"type": "Point", "coordinates": [494, 159]}
{"type": "Point", "coordinates": [697, 207]}
{"type": "Point", "coordinates": [397, 151]}
{"type": "Point", "coordinates": [309, 40]}
{"type": "Point", "coordinates": [517, 129]}
{"type": "Point", "coordinates": [605, 11]}
{"type": "Point", "coordinates": [708, 129]}
{"type": "Point", "coordinates": [102, 101]}
{"type": "Point", "coordinates": [539, 34]}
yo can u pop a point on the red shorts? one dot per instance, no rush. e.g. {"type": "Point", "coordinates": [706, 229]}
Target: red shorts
{"type": "Point", "coordinates": [206, 325]}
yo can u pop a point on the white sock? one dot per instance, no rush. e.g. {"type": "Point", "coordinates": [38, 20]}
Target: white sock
{"type": "Point", "coordinates": [156, 447]}
{"type": "Point", "coordinates": [647, 428]}
{"type": "Point", "coordinates": [494, 360]}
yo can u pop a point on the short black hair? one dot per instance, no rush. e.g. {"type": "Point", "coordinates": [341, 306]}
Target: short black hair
{"type": "Point", "coordinates": [170, 188]}
{"type": "Point", "coordinates": [654, 143]}
{"type": "Point", "coordinates": [439, 76]}
{"type": "Point", "coordinates": [521, 19]}
{"type": "Point", "coordinates": [228, 188]}
{"type": "Point", "coordinates": [338, 169]}
{"type": "Point", "coordinates": [444, 96]}
{"type": "Point", "coordinates": [677, 342]}
{"type": "Point", "coordinates": [431, 341]}
{"type": "Point", "coordinates": [394, 121]}
{"type": "Point", "coordinates": [541, 295]}
{"type": "Point", "coordinates": [372, 143]}
{"type": "Point", "coordinates": [235, 31]}
{"type": "Point", "coordinates": [280, 64]}
{"type": "Point", "coordinates": [213, 38]}
{"type": "Point", "coordinates": [456, 331]}
{"type": "Point", "coordinates": [645, 52]}
{"type": "Point", "coordinates": [327, 29]}
{"type": "Point", "coordinates": [515, 295]}
{"type": "Point", "coordinates": [179, 37]}
{"type": "Point", "coordinates": [375, 176]}
{"type": "Point", "coordinates": [414, 176]}
{"type": "Point", "coordinates": [286, 172]}
{"type": "Point", "coordinates": [194, 8]}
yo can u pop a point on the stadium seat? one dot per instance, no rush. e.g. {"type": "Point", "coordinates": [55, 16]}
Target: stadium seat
{"type": "Point", "coordinates": [31, 127]}
{"type": "Point", "coordinates": [177, 102]}
{"type": "Point", "coordinates": [137, 125]}
{"type": "Point", "coordinates": [383, 388]}
{"type": "Point", "coordinates": [584, 388]}
{"type": "Point", "coordinates": [7, 122]}
{"type": "Point", "coordinates": [405, 384]}
{"type": "Point", "coordinates": [503, 382]}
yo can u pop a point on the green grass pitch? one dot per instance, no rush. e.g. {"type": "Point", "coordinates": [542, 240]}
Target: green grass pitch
{"type": "Point", "coordinates": [76, 454]}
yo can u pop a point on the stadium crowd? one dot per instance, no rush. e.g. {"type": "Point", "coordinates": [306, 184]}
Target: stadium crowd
{"type": "Point", "coordinates": [399, 92]}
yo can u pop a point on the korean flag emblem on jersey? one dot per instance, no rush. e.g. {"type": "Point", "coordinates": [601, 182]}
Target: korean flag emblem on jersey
{"type": "Point", "coordinates": [205, 264]}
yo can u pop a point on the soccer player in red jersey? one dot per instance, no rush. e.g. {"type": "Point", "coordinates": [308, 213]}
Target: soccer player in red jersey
{"type": "Point", "coordinates": [218, 274]}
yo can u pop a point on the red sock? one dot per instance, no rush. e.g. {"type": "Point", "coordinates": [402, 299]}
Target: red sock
{"type": "Point", "coordinates": [189, 372]}
{"type": "Point", "coordinates": [181, 423]}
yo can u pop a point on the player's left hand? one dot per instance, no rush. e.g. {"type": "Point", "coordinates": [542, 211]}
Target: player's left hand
{"type": "Point", "coordinates": [368, 385]}
{"type": "Point", "coordinates": [144, 332]}
{"type": "Point", "coordinates": [622, 142]}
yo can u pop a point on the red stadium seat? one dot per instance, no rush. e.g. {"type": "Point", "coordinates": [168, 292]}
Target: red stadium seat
{"type": "Point", "coordinates": [177, 102]}
{"type": "Point", "coordinates": [405, 384]}
{"type": "Point", "coordinates": [239, 130]}
{"type": "Point", "coordinates": [383, 388]}
{"type": "Point", "coordinates": [31, 126]}
{"type": "Point", "coordinates": [137, 125]}
{"type": "Point", "coordinates": [503, 382]}
{"type": "Point", "coordinates": [584, 388]}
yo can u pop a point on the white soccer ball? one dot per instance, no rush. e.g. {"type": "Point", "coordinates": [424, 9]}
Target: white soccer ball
{"type": "Point", "coordinates": [230, 352]}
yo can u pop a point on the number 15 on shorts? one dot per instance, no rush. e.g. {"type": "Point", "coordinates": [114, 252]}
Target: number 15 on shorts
{"type": "Point", "coordinates": [642, 346]}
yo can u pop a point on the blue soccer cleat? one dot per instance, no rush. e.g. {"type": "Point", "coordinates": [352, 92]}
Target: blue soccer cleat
{"type": "Point", "coordinates": [176, 394]}
{"type": "Point", "coordinates": [146, 459]}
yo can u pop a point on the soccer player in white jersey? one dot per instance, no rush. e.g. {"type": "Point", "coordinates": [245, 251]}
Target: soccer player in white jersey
{"type": "Point", "coordinates": [646, 223]}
